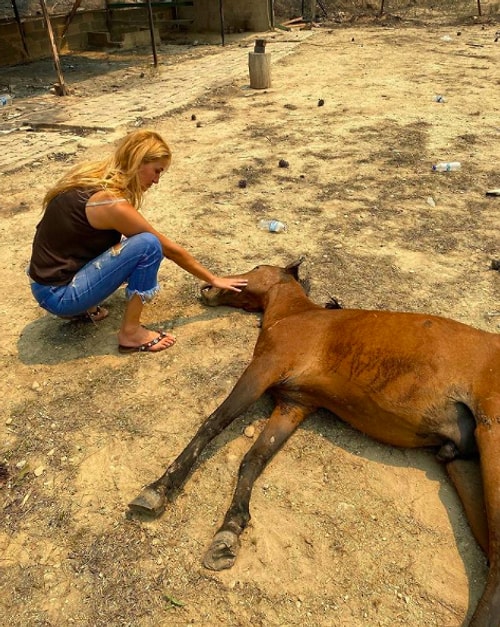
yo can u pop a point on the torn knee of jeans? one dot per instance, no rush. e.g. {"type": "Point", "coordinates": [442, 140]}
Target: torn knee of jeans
{"type": "Point", "coordinates": [145, 296]}
{"type": "Point", "coordinates": [116, 249]}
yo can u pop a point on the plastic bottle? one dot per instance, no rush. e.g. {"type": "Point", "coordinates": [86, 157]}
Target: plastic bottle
{"type": "Point", "coordinates": [447, 166]}
{"type": "Point", "coordinates": [273, 226]}
{"type": "Point", "coordinates": [5, 99]}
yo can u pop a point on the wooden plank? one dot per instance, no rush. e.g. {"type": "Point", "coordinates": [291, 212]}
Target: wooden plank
{"type": "Point", "coordinates": [292, 21]}
{"type": "Point", "coordinates": [141, 3]}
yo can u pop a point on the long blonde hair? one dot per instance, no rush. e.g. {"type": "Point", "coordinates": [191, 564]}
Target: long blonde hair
{"type": "Point", "coordinates": [118, 173]}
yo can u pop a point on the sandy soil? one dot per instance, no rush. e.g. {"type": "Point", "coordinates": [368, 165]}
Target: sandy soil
{"type": "Point", "coordinates": [344, 531]}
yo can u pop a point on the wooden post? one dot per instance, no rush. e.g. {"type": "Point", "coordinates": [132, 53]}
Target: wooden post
{"type": "Point", "coordinates": [20, 28]}
{"type": "Point", "coordinates": [152, 31]}
{"type": "Point", "coordinates": [62, 87]}
{"type": "Point", "coordinates": [221, 18]}
{"type": "Point", "coordinates": [69, 18]}
{"type": "Point", "coordinates": [309, 11]}
{"type": "Point", "coordinates": [479, 8]}
{"type": "Point", "coordinates": [259, 65]}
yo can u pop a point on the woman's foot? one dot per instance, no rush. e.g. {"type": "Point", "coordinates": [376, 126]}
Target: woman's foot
{"type": "Point", "coordinates": [144, 340]}
{"type": "Point", "coordinates": [92, 315]}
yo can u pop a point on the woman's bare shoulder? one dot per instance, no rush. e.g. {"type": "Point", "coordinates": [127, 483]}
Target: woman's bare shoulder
{"type": "Point", "coordinates": [104, 197]}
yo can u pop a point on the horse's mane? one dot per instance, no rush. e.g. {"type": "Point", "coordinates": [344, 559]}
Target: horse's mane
{"type": "Point", "coordinates": [333, 303]}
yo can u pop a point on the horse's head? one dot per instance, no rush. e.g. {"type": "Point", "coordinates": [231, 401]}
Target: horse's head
{"type": "Point", "coordinates": [252, 297]}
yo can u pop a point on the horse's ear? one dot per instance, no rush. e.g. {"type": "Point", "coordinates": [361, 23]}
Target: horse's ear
{"type": "Point", "coordinates": [293, 268]}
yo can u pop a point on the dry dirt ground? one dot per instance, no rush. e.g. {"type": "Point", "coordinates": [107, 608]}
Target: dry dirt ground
{"type": "Point", "coordinates": [344, 531]}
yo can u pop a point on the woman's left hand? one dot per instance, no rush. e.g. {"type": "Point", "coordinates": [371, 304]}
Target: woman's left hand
{"type": "Point", "coordinates": [229, 283]}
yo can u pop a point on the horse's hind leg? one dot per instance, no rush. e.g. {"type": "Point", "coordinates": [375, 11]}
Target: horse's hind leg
{"type": "Point", "coordinates": [488, 439]}
{"type": "Point", "coordinates": [225, 544]}
{"type": "Point", "coordinates": [466, 477]}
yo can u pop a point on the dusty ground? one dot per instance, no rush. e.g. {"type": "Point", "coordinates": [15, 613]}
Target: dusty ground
{"type": "Point", "coordinates": [344, 531]}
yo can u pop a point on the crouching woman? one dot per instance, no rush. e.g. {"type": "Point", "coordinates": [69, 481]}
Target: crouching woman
{"type": "Point", "coordinates": [92, 239]}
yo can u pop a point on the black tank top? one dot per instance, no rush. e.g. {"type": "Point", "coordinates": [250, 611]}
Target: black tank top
{"type": "Point", "coordinates": [65, 241]}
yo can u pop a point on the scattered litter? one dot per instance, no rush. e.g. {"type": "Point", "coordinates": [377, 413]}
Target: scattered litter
{"type": "Point", "coordinates": [173, 601]}
{"type": "Point", "coordinates": [439, 98]}
{"type": "Point", "coordinates": [447, 166]}
{"type": "Point", "coordinates": [273, 226]}
{"type": "Point", "coordinates": [493, 192]}
{"type": "Point", "coordinates": [446, 38]}
{"type": "Point", "coordinates": [23, 502]}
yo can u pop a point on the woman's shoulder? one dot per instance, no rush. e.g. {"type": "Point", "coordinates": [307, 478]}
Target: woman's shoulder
{"type": "Point", "coordinates": [104, 197]}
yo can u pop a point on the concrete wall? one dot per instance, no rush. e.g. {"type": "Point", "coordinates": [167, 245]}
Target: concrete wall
{"type": "Point", "coordinates": [112, 27]}
{"type": "Point", "coordinates": [11, 46]}
{"type": "Point", "coordinates": [239, 15]}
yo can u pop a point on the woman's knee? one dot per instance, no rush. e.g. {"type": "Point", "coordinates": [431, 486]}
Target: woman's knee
{"type": "Point", "coordinates": [147, 242]}
{"type": "Point", "coordinates": [151, 243]}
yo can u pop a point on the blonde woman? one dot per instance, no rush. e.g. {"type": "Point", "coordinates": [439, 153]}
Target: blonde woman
{"type": "Point", "coordinates": [92, 238]}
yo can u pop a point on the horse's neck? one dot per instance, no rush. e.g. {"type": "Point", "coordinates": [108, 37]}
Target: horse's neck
{"type": "Point", "coordinates": [284, 300]}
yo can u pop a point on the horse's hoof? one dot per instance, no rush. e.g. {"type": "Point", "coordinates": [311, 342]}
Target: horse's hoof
{"type": "Point", "coordinates": [149, 502]}
{"type": "Point", "coordinates": [222, 552]}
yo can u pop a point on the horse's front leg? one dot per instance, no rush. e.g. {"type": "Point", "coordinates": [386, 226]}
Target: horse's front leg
{"type": "Point", "coordinates": [225, 544]}
{"type": "Point", "coordinates": [251, 385]}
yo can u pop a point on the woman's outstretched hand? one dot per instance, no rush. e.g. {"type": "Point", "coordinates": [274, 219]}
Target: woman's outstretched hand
{"type": "Point", "coordinates": [228, 283]}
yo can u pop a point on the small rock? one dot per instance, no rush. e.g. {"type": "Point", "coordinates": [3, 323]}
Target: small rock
{"type": "Point", "coordinates": [242, 183]}
{"type": "Point", "coordinates": [321, 102]}
{"type": "Point", "coordinates": [39, 471]}
{"type": "Point", "coordinates": [283, 164]}
{"type": "Point", "coordinates": [193, 117]}
{"type": "Point", "coordinates": [249, 431]}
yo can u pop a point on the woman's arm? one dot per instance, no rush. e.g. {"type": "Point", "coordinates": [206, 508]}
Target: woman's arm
{"type": "Point", "coordinates": [121, 216]}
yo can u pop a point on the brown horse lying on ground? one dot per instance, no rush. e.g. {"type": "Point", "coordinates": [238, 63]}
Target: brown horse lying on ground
{"type": "Point", "coordinates": [406, 379]}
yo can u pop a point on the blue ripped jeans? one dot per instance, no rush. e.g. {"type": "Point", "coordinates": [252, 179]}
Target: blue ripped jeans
{"type": "Point", "coordinates": [135, 260]}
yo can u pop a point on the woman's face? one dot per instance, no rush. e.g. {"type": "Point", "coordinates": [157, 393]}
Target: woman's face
{"type": "Point", "coordinates": [150, 173]}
